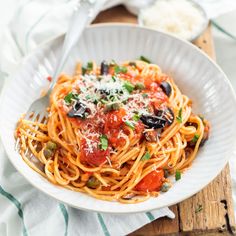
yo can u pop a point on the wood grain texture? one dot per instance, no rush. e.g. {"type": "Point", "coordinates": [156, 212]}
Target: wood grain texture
{"type": "Point", "coordinates": [216, 216]}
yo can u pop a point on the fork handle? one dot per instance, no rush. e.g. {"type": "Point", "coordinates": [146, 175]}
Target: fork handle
{"type": "Point", "coordinates": [82, 16]}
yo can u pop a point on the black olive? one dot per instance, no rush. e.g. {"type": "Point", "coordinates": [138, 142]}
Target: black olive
{"type": "Point", "coordinates": [166, 88]}
{"type": "Point", "coordinates": [78, 111]}
{"type": "Point", "coordinates": [167, 114]}
{"type": "Point", "coordinates": [104, 92]}
{"type": "Point", "coordinates": [151, 136]}
{"type": "Point", "coordinates": [152, 121]}
{"type": "Point", "coordinates": [108, 92]}
{"type": "Point", "coordinates": [204, 138]}
{"type": "Point", "coordinates": [170, 116]}
{"type": "Point", "coordinates": [160, 119]}
{"type": "Point", "coordinates": [104, 68]}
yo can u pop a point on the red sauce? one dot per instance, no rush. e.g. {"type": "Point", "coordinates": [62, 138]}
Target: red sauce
{"type": "Point", "coordinates": [49, 78]}
{"type": "Point", "coordinates": [94, 156]}
{"type": "Point", "coordinates": [151, 182]}
{"type": "Point", "coordinates": [113, 126]}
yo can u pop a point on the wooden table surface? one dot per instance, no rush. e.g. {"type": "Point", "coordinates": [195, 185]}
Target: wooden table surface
{"type": "Point", "coordinates": [216, 216]}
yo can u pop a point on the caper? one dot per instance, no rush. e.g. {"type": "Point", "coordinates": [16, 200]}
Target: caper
{"type": "Point", "coordinates": [93, 182]}
{"type": "Point", "coordinates": [51, 146]}
{"type": "Point", "coordinates": [47, 153]}
{"type": "Point", "coordinates": [165, 187]}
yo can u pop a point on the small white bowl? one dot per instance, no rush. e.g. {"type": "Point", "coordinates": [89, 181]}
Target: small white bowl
{"type": "Point", "coordinates": [194, 36]}
{"type": "Point", "coordinates": [194, 72]}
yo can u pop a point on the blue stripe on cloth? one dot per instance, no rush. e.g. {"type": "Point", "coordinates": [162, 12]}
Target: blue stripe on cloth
{"type": "Point", "coordinates": [150, 216]}
{"type": "Point", "coordinates": [103, 225]}
{"type": "Point", "coordinates": [66, 217]}
{"type": "Point", "coordinates": [221, 29]}
{"type": "Point", "coordinates": [11, 198]}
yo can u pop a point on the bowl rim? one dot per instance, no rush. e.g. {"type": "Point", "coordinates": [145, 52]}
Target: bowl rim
{"type": "Point", "coordinates": [151, 207]}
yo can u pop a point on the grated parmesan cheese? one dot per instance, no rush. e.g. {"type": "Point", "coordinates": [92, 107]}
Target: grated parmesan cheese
{"type": "Point", "coordinates": [179, 17]}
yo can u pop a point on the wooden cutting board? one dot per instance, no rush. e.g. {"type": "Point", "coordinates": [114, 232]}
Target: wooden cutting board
{"type": "Point", "coordinates": [209, 212]}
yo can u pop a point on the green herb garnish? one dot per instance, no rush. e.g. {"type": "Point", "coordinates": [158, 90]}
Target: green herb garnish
{"type": "Point", "coordinates": [103, 142]}
{"type": "Point", "coordinates": [132, 63]}
{"type": "Point", "coordinates": [139, 86]}
{"type": "Point", "coordinates": [103, 101]}
{"type": "Point", "coordinates": [195, 138]}
{"type": "Point", "coordinates": [112, 106]}
{"type": "Point", "coordinates": [199, 208]}
{"type": "Point", "coordinates": [83, 89]}
{"type": "Point", "coordinates": [113, 78]}
{"type": "Point", "coordinates": [136, 117]}
{"type": "Point", "coordinates": [179, 117]}
{"type": "Point", "coordinates": [128, 86]}
{"type": "Point", "coordinates": [112, 63]}
{"type": "Point", "coordinates": [144, 95]}
{"type": "Point", "coordinates": [146, 156]}
{"type": "Point", "coordinates": [130, 124]}
{"type": "Point", "coordinates": [90, 65]}
{"type": "Point", "coordinates": [84, 70]}
{"type": "Point", "coordinates": [120, 69]}
{"type": "Point", "coordinates": [142, 58]}
{"type": "Point", "coordinates": [177, 175]}
{"type": "Point", "coordinates": [70, 96]}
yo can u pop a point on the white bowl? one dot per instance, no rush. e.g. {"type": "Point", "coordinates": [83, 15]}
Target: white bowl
{"type": "Point", "coordinates": [194, 72]}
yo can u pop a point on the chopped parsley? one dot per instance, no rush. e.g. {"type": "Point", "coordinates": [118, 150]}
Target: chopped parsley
{"type": "Point", "coordinates": [179, 117]}
{"type": "Point", "coordinates": [177, 175]}
{"type": "Point", "coordinates": [132, 63]}
{"type": "Point", "coordinates": [112, 106]}
{"type": "Point", "coordinates": [144, 95]}
{"type": "Point", "coordinates": [142, 58]}
{"type": "Point", "coordinates": [113, 63]}
{"type": "Point", "coordinates": [195, 138]}
{"type": "Point", "coordinates": [113, 78]}
{"type": "Point", "coordinates": [130, 124]}
{"type": "Point", "coordinates": [88, 97]}
{"type": "Point", "coordinates": [128, 86]}
{"type": "Point", "coordinates": [136, 117]}
{"type": "Point", "coordinates": [139, 86]}
{"type": "Point", "coordinates": [83, 89]}
{"type": "Point", "coordinates": [120, 69]}
{"type": "Point", "coordinates": [70, 96]}
{"type": "Point", "coordinates": [84, 70]}
{"type": "Point", "coordinates": [103, 142]}
{"type": "Point", "coordinates": [90, 65]}
{"type": "Point", "coordinates": [199, 208]}
{"type": "Point", "coordinates": [146, 156]}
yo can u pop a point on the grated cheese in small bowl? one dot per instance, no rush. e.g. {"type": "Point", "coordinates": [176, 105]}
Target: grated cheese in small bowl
{"type": "Point", "coordinates": [183, 18]}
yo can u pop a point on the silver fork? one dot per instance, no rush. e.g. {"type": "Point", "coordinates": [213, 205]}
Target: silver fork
{"type": "Point", "coordinates": [82, 16]}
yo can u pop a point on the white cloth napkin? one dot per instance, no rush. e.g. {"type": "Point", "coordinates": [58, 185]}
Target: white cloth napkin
{"type": "Point", "coordinates": [23, 208]}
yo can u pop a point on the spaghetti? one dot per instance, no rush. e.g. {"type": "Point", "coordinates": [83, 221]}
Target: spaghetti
{"type": "Point", "coordinates": [114, 132]}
